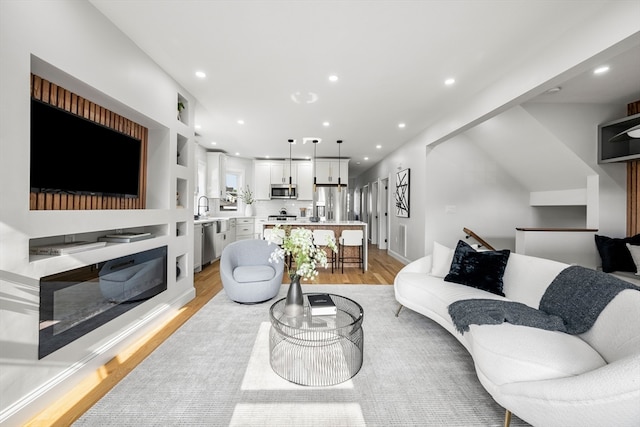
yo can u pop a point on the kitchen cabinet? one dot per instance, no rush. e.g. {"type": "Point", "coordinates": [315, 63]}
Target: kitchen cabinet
{"type": "Point", "coordinates": [305, 180]}
{"type": "Point", "coordinates": [328, 170]}
{"type": "Point", "coordinates": [281, 171]}
{"type": "Point", "coordinates": [197, 247]}
{"type": "Point", "coordinates": [216, 170]}
{"type": "Point", "coordinates": [262, 176]}
{"type": "Point", "coordinates": [245, 228]}
{"type": "Point", "coordinates": [268, 172]}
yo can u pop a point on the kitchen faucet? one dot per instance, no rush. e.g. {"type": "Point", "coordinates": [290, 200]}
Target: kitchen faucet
{"type": "Point", "coordinates": [206, 206]}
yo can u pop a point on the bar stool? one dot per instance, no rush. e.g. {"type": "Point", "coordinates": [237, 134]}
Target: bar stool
{"type": "Point", "coordinates": [322, 238]}
{"type": "Point", "coordinates": [351, 238]}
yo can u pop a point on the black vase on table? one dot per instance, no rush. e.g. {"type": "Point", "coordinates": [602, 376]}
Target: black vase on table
{"type": "Point", "coordinates": [293, 304]}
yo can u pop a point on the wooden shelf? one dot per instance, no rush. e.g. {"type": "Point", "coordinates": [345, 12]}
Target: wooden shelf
{"type": "Point", "coordinates": [578, 230]}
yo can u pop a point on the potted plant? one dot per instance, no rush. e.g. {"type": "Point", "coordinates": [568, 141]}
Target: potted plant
{"type": "Point", "coordinates": [247, 198]}
{"type": "Point", "coordinates": [297, 244]}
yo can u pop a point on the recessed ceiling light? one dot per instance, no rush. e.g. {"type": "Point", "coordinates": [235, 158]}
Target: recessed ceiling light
{"type": "Point", "coordinates": [554, 89]}
{"type": "Point", "coordinates": [366, 158]}
{"type": "Point", "coordinates": [325, 124]}
{"type": "Point", "coordinates": [401, 125]}
{"type": "Point", "coordinates": [240, 122]}
{"type": "Point", "coordinates": [449, 81]}
{"type": "Point", "coordinates": [601, 70]}
{"type": "Point", "coordinates": [201, 74]}
{"type": "Point", "coordinates": [198, 127]}
{"type": "Point", "coordinates": [237, 154]}
{"type": "Point", "coordinates": [267, 156]}
{"type": "Point", "coordinates": [333, 78]}
{"type": "Point", "coordinates": [214, 143]}
{"type": "Point", "coordinates": [378, 146]}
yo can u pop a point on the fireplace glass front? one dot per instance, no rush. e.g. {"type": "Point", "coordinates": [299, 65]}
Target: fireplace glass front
{"type": "Point", "coordinates": [75, 302]}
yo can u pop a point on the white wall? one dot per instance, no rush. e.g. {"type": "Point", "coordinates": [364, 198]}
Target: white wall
{"type": "Point", "coordinates": [575, 125]}
{"type": "Point", "coordinates": [466, 187]}
{"type": "Point", "coordinates": [604, 36]}
{"type": "Point", "coordinates": [76, 47]}
{"type": "Point", "coordinates": [412, 156]}
{"type": "Point", "coordinates": [463, 182]}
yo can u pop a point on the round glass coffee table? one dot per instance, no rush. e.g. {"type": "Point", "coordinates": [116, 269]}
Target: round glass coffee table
{"type": "Point", "coordinates": [317, 350]}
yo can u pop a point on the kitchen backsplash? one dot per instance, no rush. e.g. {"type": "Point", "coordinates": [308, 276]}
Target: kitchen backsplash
{"type": "Point", "coordinates": [264, 208]}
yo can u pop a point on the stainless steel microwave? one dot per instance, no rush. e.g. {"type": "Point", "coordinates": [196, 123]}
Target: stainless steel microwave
{"type": "Point", "coordinates": [283, 191]}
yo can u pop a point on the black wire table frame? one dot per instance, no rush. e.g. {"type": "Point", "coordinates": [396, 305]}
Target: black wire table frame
{"type": "Point", "coordinates": [317, 350]}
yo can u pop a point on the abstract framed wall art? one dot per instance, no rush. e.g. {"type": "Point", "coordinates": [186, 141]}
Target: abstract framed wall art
{"type": "Point", "coordinates": [402, 193]}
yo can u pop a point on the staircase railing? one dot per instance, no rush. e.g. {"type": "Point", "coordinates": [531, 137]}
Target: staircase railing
{"type": "Point", "coordinates": [478, 239]}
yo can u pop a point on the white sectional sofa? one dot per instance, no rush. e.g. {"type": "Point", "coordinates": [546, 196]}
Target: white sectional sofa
{"type": "Point", "coordinates": [547, 378]}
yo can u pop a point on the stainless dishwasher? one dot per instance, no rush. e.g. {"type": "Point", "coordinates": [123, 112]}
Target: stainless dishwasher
{"type": "Point", "coordinates": [208, 237]}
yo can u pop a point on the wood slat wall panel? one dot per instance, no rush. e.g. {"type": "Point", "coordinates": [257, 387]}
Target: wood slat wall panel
{"type": "Point", "coordinates": [633, 185]}
{"type": "Point", "coordinates": [633, 198]}
{"type": "Point", "coordinates": [53, 94]}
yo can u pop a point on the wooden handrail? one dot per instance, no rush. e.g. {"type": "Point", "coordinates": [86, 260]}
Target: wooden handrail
{"type": "Point", "coordinates": [478, 239]}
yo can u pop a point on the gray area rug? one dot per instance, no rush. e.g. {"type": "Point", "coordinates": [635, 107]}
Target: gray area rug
{"type": "Point", "coordinates": [214, 371]}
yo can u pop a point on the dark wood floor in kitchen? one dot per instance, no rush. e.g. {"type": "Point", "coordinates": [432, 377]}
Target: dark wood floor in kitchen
{"type": "Point", "coordinates": [382, 269]}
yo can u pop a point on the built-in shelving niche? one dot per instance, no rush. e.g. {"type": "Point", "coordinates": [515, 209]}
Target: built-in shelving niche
{"type": "Point", "coordinates": [157, 231]}
{"type": "Point", "coordinates": [181, 267]}
{"type": "Point", "coordinates": [181, 228]}
{"type": "Point", "coordinates": [615, 144]}
{"type": "Point", "coordinates": [182, 195]}
{"type": "Point", "coordinates": [182, 154]}
{"type": "Point", "coordinates": [183, 110]}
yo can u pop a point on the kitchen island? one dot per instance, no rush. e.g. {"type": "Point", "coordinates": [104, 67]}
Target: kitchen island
{"type": "Point", "coordinates": [336, 226]}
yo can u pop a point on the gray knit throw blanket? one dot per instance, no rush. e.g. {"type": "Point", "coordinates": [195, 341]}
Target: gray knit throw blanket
{"type": "Point", "coordinates": [571, 304]}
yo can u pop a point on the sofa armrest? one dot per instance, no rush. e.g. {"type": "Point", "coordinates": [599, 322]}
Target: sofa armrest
{"type": "Point", "coordinates": [606, 396]}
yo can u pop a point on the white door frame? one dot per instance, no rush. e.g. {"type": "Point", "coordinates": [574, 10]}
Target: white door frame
{"type": "Point", "coordinates": [375, 213]}
{"type": "Point", "coordinates": [383, 223]}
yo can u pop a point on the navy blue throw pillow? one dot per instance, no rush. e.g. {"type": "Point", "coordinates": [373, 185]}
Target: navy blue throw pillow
{"type": "Point", "coordinates": [614, 253]}
{"type": "Point", "coordinates": [482, 270]}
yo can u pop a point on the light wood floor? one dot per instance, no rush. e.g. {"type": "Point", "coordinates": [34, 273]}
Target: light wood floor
{"type": "Point", "coordinates": [382, 270]}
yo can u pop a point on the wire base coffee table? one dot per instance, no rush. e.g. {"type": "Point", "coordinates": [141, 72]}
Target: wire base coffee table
{"type": "Point", "coordinates": [317, 350]}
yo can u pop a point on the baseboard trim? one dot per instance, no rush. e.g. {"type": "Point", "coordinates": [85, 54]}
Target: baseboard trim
{"type": "Point", "coordinates": [36, 401]}
{"type": "Point", "coordinates": [399, 257]}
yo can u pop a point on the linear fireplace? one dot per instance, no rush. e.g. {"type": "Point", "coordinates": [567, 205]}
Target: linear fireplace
{"type": "Point", "coordinates": [75, 302]}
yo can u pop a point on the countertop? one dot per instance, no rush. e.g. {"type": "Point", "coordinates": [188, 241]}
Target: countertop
{"type": "Point", "coordinates": [305, 221]}
{"type": "Point", "coordinates": [218, 218]}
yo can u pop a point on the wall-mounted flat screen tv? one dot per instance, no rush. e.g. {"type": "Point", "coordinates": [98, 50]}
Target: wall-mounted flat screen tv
{"type": "Point", "coordinates": [73, 155]}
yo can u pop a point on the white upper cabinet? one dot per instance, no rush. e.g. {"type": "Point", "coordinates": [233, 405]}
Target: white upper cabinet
{"type": "Point", "coordinates": [305, 180]}
{"type": "Point", "coordinates": [216, 170]}
{"type": "Point", "coordinates": [262, 176]}
{"type": "Point", "coordinates": [270, 172]}
{"type": "Point", "coordinates": [281, 171]}
{"type": "Point", "coordinates": [329, 170]}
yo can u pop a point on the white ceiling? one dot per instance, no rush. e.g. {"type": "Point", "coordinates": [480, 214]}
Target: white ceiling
{"type": "Point", "coordinates": [391, 57]}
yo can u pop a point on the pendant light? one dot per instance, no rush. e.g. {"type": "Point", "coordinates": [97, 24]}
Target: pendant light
{"type": "Point", "coordinates": [339, 144]}
{"type": "Point", "coordinates": [315, 186]}
{"type": "Point", "coordinates": [290, 180]}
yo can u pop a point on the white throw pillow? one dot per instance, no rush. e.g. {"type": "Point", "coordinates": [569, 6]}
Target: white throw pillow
{"type": "Point", "coordinates": [635, 254]}
{"type": "Point", "coordinates": [442, 257]}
